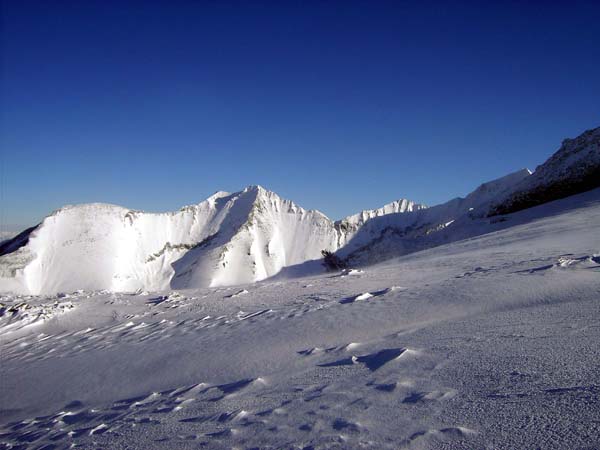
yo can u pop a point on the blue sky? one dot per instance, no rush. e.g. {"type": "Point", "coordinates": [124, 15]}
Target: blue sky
{"type": "Point", "coordinates": [339, 106]}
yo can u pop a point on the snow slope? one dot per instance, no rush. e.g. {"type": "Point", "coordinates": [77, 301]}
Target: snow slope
{"type": "Point", "coordinates": [489, 342]}
{"type": "Point", "coordinates": [396, 234]}
{"type": "Point", "coordinates": [574, 168]}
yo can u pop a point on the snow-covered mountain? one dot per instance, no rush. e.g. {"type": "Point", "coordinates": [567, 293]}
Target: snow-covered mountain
{"type": "Point", "coordinates": [574, 168]}
{"type": "Point", "coordinates": [458, 347]}
{"type": "Point", "coordinates": [349, 226]}
{"type": "Point", "coordinates": [251, 235]}
{"type": "Point", "coordinates": [391, 235]}
{"type": "Point", "coordinates": [227, 239]}
{"type": "Point", "coordinates": [266, 234]}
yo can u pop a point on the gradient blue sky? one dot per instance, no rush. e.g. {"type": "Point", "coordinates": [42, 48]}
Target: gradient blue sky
{"type": "Point", "coordinates": [339, 106]}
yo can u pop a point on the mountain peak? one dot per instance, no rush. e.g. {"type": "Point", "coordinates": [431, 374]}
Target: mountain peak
{"type": "Point", "coordinates": [256, 188]}
{"type": "Point", "coordinates": [573, 168]}
{"type": "Point", "coordinates": [219, 194]}
{"type": "Point", "coordinates": [250, 235]}
{"type": "Point", "coordinates": [398, 206]}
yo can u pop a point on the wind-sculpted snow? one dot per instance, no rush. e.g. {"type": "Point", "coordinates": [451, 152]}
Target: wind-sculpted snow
{"type": "Point", "coordinates": [490, 342]}
{"type": "Point", "coordinates": [22, 314]}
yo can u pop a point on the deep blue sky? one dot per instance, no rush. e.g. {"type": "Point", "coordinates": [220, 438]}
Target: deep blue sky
{"type": "Point", "coordinates": [339, 106]}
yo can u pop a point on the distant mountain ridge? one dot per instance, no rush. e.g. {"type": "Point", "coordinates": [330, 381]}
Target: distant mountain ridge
{"type": "Point", "coordinates": [227, 239]}
{"type": "Point", "coordinates": [574, 168]}
{"type": "Point", "coordinates": [251, 235]}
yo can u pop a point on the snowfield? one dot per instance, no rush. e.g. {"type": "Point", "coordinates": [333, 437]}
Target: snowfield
{"type": "Point", "coordinates": [485, 343]}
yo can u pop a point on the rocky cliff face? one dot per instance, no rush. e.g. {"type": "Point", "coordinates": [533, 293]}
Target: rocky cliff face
{"type": "Point", "coordinates": [574, 168]}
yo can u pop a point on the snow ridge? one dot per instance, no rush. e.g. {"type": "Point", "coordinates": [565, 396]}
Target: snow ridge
{"type": "Point", "coordinates": [226, 239]}
{"type": "Point", "coordinates": [574, 168]}
{"type": "Point", "coordinates": [348, 226]}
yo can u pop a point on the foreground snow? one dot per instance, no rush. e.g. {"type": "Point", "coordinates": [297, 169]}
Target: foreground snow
{"type": "Point", "coordinates": [490, 342]}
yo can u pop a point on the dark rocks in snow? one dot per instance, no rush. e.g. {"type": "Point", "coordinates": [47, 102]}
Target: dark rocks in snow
{"type": "Point", "coordinates": [20, 240]}
{"type": "Point", "coordinates": [333, 262]}
{"type": "Point", "coordinates": [573, 169]}
{"type": "Point", "coordinates": [590, 179]}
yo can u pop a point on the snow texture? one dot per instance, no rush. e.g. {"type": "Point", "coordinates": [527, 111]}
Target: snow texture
{"type": "Point", "coordinates": [488, 342]}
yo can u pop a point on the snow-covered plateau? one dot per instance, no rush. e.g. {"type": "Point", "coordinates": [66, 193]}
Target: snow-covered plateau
{"type": "Point", "coordinates": [456, 326]}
